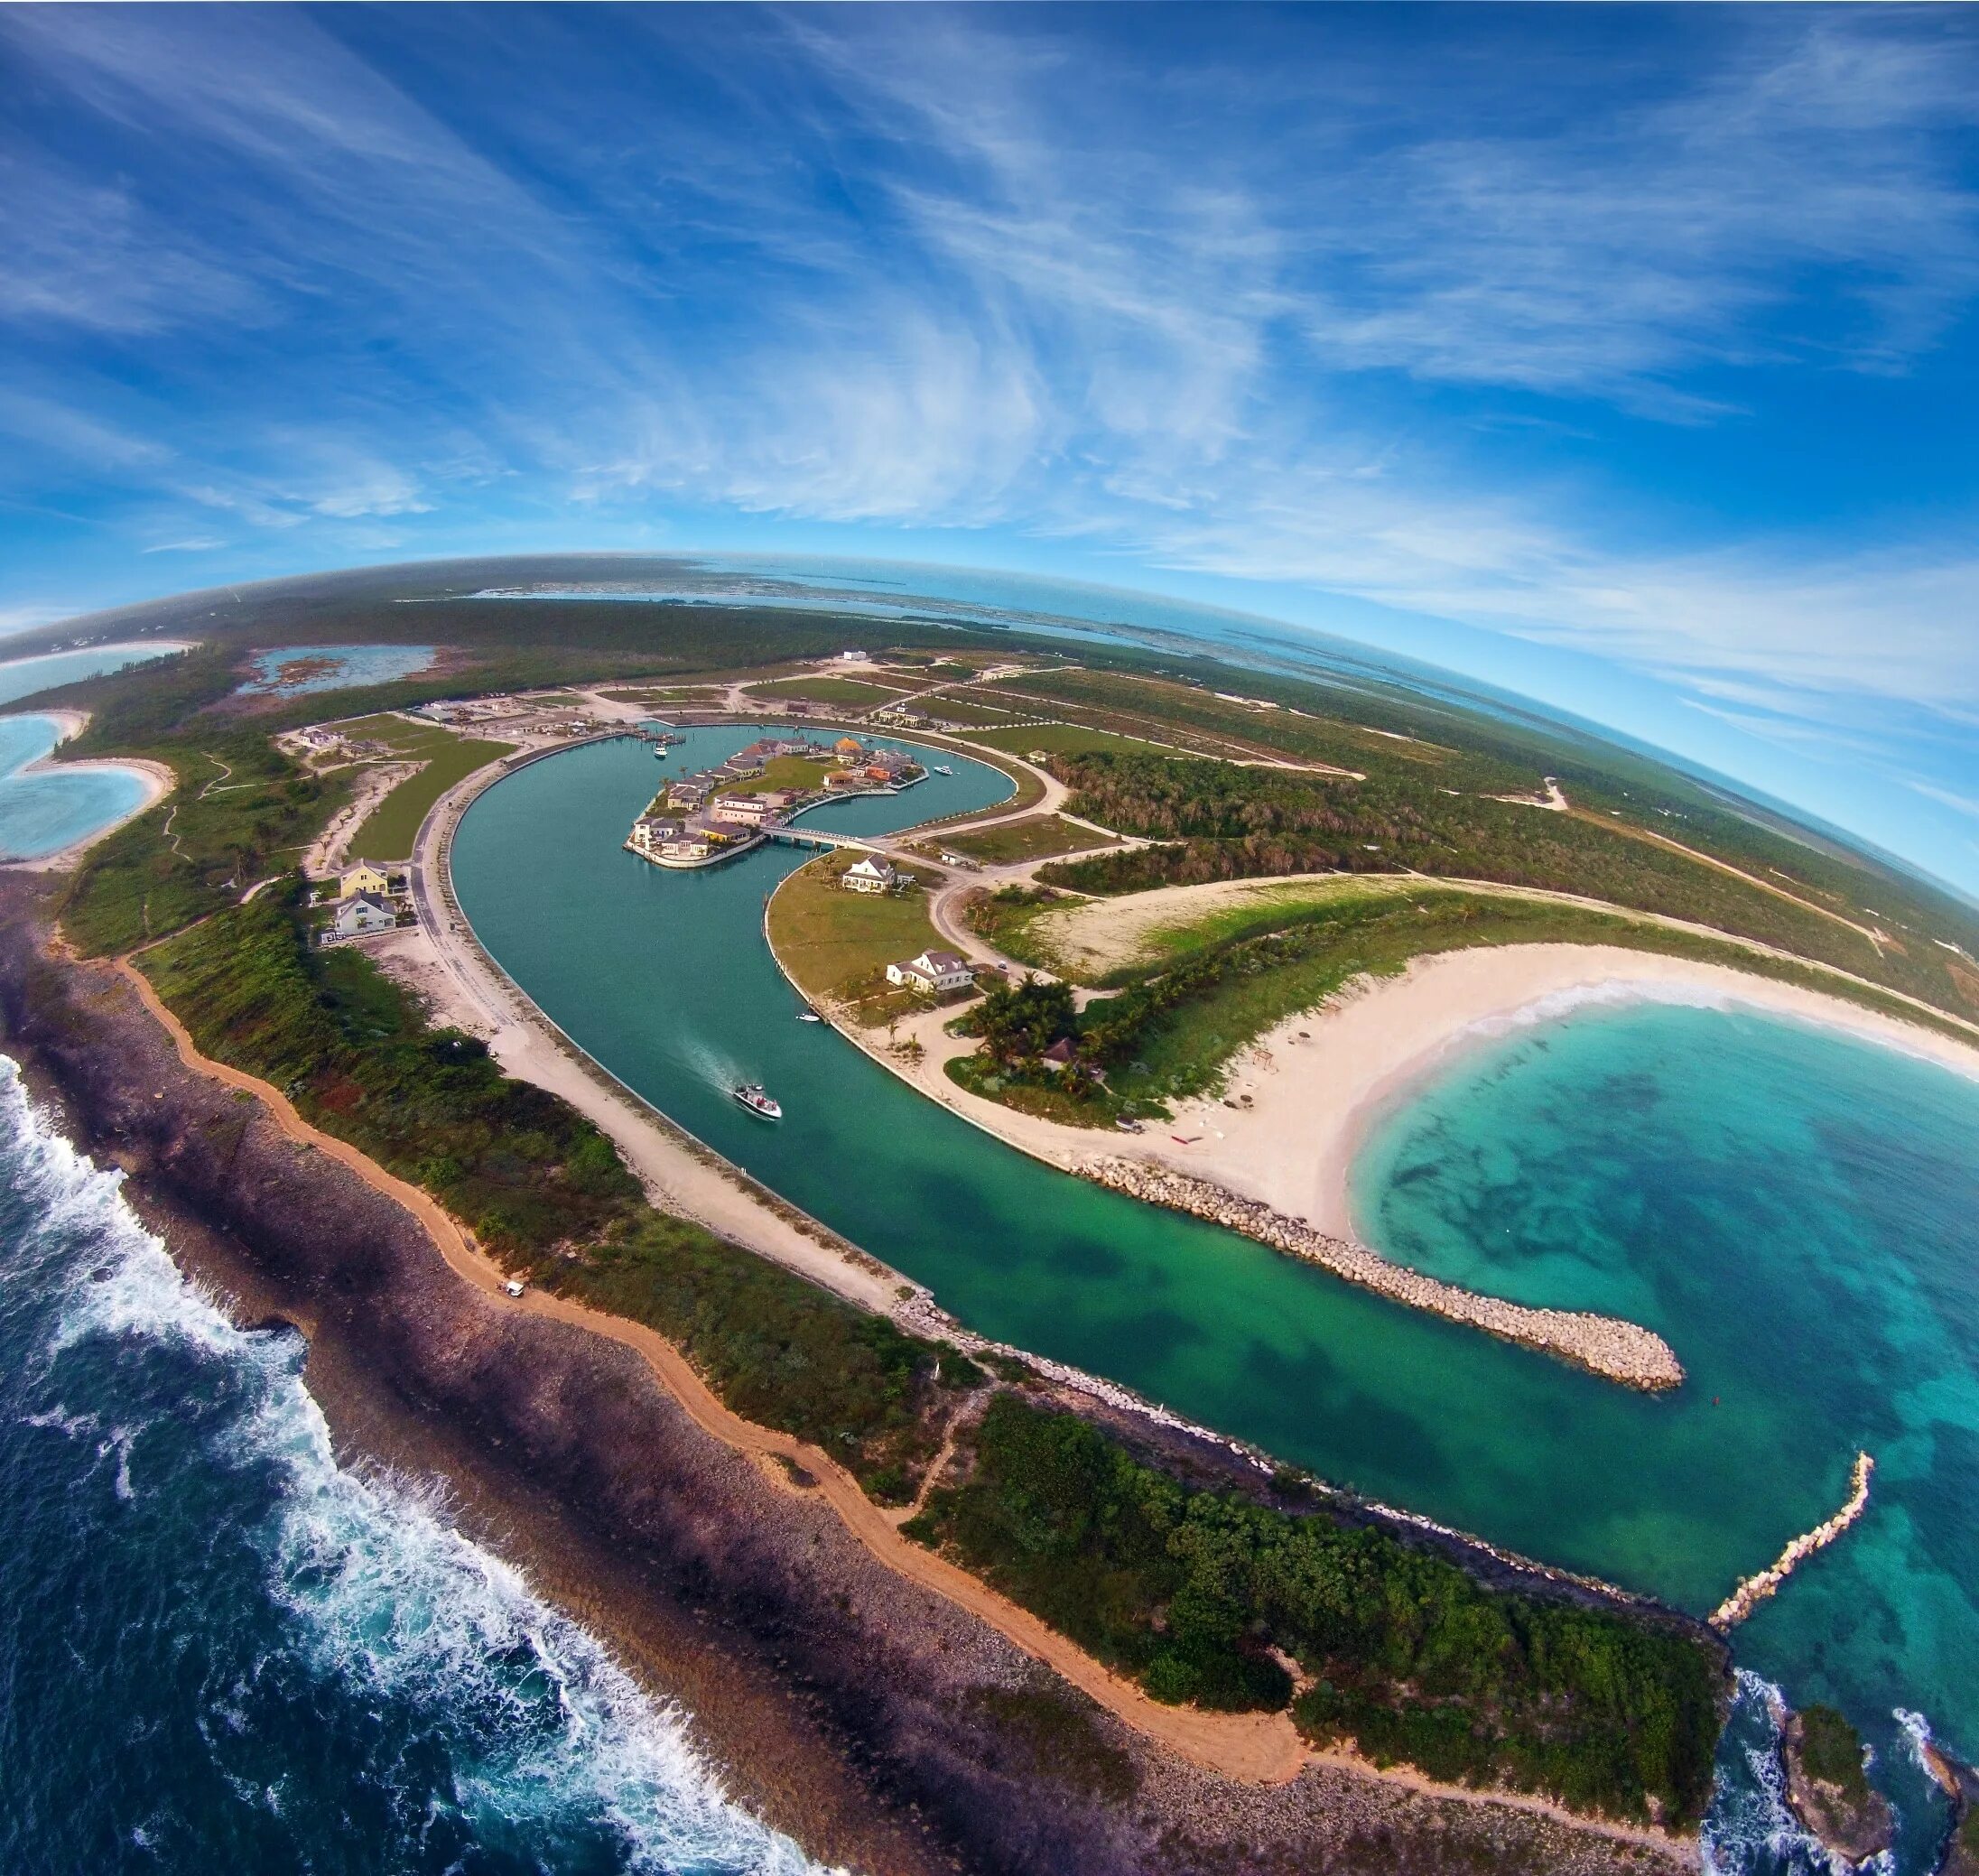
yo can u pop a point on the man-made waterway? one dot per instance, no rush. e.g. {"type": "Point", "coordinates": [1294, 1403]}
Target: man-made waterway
{"type": "Point", "coordinates": [665, 979]}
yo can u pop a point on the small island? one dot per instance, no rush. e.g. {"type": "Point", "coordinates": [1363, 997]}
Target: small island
{"type": "Point", "coordinates": [717, 813]}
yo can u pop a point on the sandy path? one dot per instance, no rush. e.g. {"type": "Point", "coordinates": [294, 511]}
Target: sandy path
{"type": "Point", "coordinates": [1255, 1749]}
{"type": "Point", "coordinates": [330, 849]}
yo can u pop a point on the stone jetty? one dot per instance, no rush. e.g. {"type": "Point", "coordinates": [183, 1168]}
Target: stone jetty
{"type": "Point", "coordinates": [1754, 1590]}
{"type": "Point", "coordinates": [1604, 1345]}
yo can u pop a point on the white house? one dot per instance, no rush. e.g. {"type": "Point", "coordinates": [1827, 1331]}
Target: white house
{"type": "Point", "coordinates": [651, 833]}
{"type": "Point", "coordinates": [360, 914]}
{"type": "Point", "coordinates": [934, 971]}
{"type": "Point", "coordinates": [745, 810]}
{"type": "Point", "coordinates": [871, 873]}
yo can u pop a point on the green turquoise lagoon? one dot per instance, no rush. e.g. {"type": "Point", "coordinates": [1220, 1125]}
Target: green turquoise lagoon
{"type": "Point", "coordinates": [1795, 1212]}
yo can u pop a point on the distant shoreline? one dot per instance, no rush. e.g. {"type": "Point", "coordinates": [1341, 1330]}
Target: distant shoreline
{"type": "Point", "coordinates": [1315, 1102]}
{"type": "Point", "coordinates": [157, 778]}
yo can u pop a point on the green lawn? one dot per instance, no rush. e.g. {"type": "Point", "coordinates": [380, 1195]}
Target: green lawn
{"type": "Point", "coordinates": [402, 737]}
{"type": "Point", "coordinates": [1037, 838]}
{"type": "Point", "coordinates": [827, 689]}
{"type": "Point", "coordinates": [792, 772]}
{"type": "Point", "coordinates": [391, 827]}
{"type": "Point", "coordinates": [838, 943]}
{"type": "Point", "coordinates": [964, 709]}
{"type": "Point", "coordinates": [1057, 740]}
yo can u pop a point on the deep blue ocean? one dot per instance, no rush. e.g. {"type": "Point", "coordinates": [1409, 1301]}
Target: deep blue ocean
{"type": "Point", "coordinates": [223, 1651]}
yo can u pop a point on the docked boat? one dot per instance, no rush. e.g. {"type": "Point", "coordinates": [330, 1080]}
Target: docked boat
{"type": "Point", "coordinates": [757, 1101]}
{"type": "Point", "coordinates": [808, 1015]}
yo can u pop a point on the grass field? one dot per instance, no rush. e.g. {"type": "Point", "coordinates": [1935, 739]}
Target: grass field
{"type": "Point", "coordinates": [391, 827]}
{"type": "Point", "coordinates": [828, 690]}
{"type": "Point", "coordinates": [402, 737]}
{"type": "Point", "coordinates": [966, 710]}
{"type": "Point", "coordinates": [792, 772]}
{"type": "Point", "coordinates": [1037, 838]}
{"type": "Point", "coordinates": [836, 943]}
{"type": "Point", "coordinates": [1111, 941]}
{"type": "Point", "coordinates": [1058, 739]}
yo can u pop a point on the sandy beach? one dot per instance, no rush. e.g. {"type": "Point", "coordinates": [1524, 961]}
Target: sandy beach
{"type": "Point", "coordinates": [1318, 1083]}
{"type": "Point", "coordinates": [159, 782]}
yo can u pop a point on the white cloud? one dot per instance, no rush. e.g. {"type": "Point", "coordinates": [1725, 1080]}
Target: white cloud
{"type": "Point", "coordinates": [934, 274]}
{"type": "Point", "coordinates": [198, 543]}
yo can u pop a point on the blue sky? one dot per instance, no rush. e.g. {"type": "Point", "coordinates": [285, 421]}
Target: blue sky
{"type": "Point", "coordinates": [1626, 357]}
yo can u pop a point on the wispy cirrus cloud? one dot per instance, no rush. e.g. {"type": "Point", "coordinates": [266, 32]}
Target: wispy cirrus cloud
{"type": "Point", "coordinates": [1273, 301]}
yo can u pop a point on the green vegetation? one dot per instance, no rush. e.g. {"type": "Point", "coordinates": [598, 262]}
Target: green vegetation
{"type": "Point", "coordinates": [796, 774]}
{"type": "Point", "coordinates": [1059, 740]}
{"type": "Point", "coordinates": [1831, 1750]}
{"type": "Point", "coordinates": [837, 944]}
{"type": "Point", "coordinates": [540, 1187]}
{"type": "Point", "coordinates": [827, 689]}
{"type": "Point", "coordinates": [1410, 1659]}
{"type": "Point", "coordinates": [241, 813]}
{"type": "Point", "coordinates": [1035, 838]}
{"type": "Point", "coordinates": [1220, 822]}
{"type": "Point", "coordinates": [970, 710]}
{"type": "Point", "coordinates": [391, 828]}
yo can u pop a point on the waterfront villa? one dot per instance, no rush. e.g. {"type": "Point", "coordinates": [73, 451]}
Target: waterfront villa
{"type": "Point", "coordinates": [872, 872]}
{"type": "Point", "coordinates": [935, 971]}
{"type": "Point", "coordinates": [651, 833]}
{"type": "Point", "coordinates": [1058, 1057]}
{"type": "Point", "coordinates": [850, 751]}
{"type": "Point", "coordinates": [362, 914]}
{"type": "Point", "coordinates": [362, 878]}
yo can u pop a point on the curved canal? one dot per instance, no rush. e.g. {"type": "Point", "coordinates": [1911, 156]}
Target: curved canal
{"type": "Point", "coordinates": [665, 977]}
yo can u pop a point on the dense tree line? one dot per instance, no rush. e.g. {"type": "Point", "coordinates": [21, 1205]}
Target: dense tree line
{"type": "Point", "coordinates": [1191, 1591]}
{"type": "Point", "coordinates": [1216, 821]}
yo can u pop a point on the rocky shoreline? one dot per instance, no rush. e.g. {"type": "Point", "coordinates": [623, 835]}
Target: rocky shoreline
{"type": "Point", "coordinates": [1755, 1589]}
{"type": "Point", "coordinates": [1604, 1345]}
{"type": "Point", "coordinates": [879, 1724]}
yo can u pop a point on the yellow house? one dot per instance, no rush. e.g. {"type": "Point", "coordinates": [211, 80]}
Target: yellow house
{"type": "Point", "coordinates": [362, 878]}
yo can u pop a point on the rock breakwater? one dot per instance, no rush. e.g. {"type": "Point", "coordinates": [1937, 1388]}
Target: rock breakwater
{"type": "Point", "coordinates": [1604, 1345]}
{"type": "Point", "coordinates": [1755, 1590]}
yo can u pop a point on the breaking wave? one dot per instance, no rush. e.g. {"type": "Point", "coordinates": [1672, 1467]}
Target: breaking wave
{"type": "Point", "coordinates": [360, 1641]}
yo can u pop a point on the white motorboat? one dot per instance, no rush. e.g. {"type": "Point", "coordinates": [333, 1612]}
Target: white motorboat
{"type": "Point", "coordinates": [808, 1015]}
{"type": "Point", "coordinates": [757, 1101]}
{"type": "Point", "coordinates": [942, 768]}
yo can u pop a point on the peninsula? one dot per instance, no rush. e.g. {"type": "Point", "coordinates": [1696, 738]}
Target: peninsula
{"type": "Point", "coordinates": [851, 1414]}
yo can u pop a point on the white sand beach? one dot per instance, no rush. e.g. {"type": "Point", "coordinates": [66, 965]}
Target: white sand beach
{"type": "Point", "coordinates": [1317, 1082]}
{"type": "Point", "coordinates": [158, 780]}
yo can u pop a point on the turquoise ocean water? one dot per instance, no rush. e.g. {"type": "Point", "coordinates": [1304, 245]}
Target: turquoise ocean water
{"type": "Point", "coordinates": [43, 814]}
{"type": "Point", "coordinates": [1789, 1209]}
{"type": "Point", "coordinates": [347, 664]}
{"type": "Point", "coordinates": [1797, 1213]}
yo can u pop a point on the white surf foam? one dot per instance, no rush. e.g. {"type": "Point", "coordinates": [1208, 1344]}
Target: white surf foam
{"type": "Point", "coordinates": [544, 1726]}
{"type": "Point", "coordinates": [1750, 1826]}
